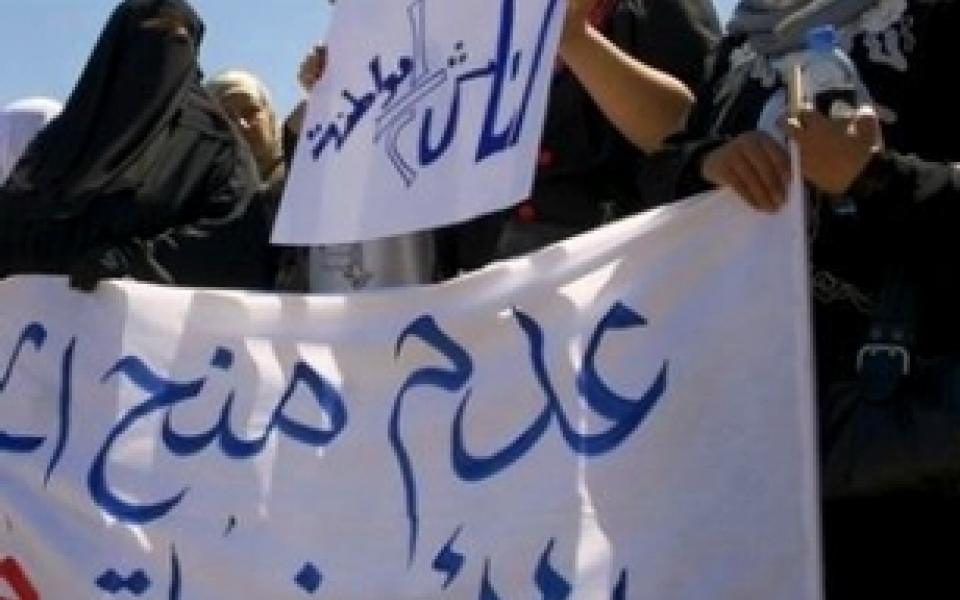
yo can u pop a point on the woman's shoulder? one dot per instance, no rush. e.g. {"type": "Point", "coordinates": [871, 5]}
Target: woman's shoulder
{"type": "Point", "coordinates": [201, 114]}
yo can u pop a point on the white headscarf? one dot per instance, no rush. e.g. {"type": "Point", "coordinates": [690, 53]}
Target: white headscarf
{"type": "Point", "coordinates": [20, 122]}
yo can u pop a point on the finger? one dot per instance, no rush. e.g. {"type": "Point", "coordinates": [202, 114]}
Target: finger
{"type": "Point", "coordinates": [721, 168]}
{"type": "Point", "coordinates": [320, 52]}
{"type": "Point", "coordinates": [716, 169]}
{"type": "Point", "coordinates": [778, 158]}
{"type": "Point", "coordinates": [759, 174]}
{"type": "Point", "coordinates": [724, 167]}
{"type": "Point", "coordinates": [745, 180]}
{"type": "Point", "coordinates": [741, 185]}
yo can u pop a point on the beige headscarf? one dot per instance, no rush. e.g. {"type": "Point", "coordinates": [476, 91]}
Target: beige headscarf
{"type": "Point", "coordinates": [238, 81]}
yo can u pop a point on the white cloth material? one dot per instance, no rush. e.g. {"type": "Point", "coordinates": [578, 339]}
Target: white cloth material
{"type": "Point", "coordinates": [627, 414]}
{"type": "Point", "coordinates": [396, 261]}
{"type": "Point", "coordinates": [432, 121]}
{"type": "Point", "coordinates": [20, 121]}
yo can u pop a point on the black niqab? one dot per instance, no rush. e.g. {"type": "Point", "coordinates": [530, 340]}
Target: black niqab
{"type": "Point", "coordinates": [138, 86]}
{"type": "Point", "coordinates": [142, 174]}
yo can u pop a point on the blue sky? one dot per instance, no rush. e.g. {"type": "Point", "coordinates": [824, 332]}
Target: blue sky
{"type": "Point", "coordinates": [45, 43]}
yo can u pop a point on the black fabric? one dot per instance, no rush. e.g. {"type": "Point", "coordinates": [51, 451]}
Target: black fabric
{"type": "Point", "coordinates": [115, 120]}
{"type": "Point", "coordinates": [896, 427]}
{"type": "Point", "coordinates": [227, 244]}
{"type": "Point", "coordinates": [890, 432]}
{"type": "Point", "coordinates": [895, 547]}
{"type": "Point", "coordinates": [908, 198]}
{"type": "Point", "coordinates": [589, 168]}
{"type": "Point", "coordinates": [141, 154]}
{"type": "Point", "coordinates": [907, 209]}
{"type": "Point", "coordinates": [590, 175]}
{"type": "Point", "coordinates": [587, 172]}
{"type": "Point", "coordinates": [467, 246]}
{"type": "Point", "coordinates": [133, 258]}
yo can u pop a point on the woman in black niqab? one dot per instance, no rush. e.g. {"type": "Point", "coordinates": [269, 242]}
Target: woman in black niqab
{"type": "Point", "coordinates": [139, 157]}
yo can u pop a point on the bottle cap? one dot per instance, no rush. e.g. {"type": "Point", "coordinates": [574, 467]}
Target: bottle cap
{"type": "Point", "coordinates": [823, 38]}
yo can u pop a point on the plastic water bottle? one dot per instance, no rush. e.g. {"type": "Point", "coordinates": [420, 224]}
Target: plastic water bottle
{"type": "Point", "coordinates": [830, 80]}
{"type": "Point", "coordinates": [830, 83]}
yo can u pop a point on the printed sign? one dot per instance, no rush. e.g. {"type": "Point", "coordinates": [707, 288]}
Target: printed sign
{"type": "Point", "coordinates": [430, 113]}
{"type": "Point", "coordinates": [627, 414]}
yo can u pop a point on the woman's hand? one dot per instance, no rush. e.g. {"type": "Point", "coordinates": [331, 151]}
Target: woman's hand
{"type": "Point", "coordinates": [833, 152]}
{"type": "Point", "coordinates": [312, 67]}
{"type": "Point", "coordinates": [755, 166]}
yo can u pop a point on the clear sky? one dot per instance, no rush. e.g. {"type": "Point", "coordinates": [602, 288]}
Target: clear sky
{"type": "Point", "coordinates": [45, 43]}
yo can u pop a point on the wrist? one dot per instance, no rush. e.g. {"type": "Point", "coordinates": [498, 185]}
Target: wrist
{"type": "Point", "coordinates": [872, 178]}
{"type": "Point", "coordinates": [864, 177]}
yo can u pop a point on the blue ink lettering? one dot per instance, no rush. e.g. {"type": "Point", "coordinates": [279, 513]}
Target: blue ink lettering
{"type": "Point", "coordinates": [309, 578]}
{"type": "Point", "coordinates": [164, 395]}
{"type": "Point", "coordinates": [620, 591]}
{"type": "Point", "coordinates": [399, 115]}
{"type": "Point", "coordinates": [549, 582]}
{"type": "Point", "coordinates": [449, 561]}
{"type": "Point", "coordinates": [175, 578]}
{"type": "Point", "coordinates": [450, 380]}
{"type": "Point", "coordinates": [113, 583]}
{"type": "Point", "coordinates": [231, 525]}
{"type": "Point", "coordinates": [222, 358]}
{"type": "Point", "coordinates": [399, 111]}
{"type": "Point", "coordinates": [489, 146]}
{"type": "Point", "coordinates": [625, 413]}
{"type": "Point", "coordinates": [486, 588]}
{"type": "Point", "coordinates": [66, 383]}
{"type": "Point", "coordinates": [36, 335]}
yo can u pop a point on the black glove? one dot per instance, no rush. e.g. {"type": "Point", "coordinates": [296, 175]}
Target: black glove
{"type": "Point", "coordinates": [132, 259]}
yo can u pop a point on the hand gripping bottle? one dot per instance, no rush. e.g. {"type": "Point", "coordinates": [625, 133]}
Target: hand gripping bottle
{"type": "Point", "coordinates": [830, 82]}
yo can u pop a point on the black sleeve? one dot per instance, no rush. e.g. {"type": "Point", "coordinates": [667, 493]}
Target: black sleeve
{"type": "Point", "coordinates": [290, 132]}
{"type": "Point", "coordinates": [894, 184]}
{"type": "Point", "coordinates": [917, 177]}
{"type": "Point", "coordinates": [675, 171]}
{"type": "Point", "coordinates": [223, 238]}
{"type": "Point", "coordinates": [675, 36]}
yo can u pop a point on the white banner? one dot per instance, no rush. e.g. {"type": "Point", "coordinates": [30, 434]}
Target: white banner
{"type": "Point", "coordinates": [627, 414]}
{"type": "Point", "coordinates": [430, 113]}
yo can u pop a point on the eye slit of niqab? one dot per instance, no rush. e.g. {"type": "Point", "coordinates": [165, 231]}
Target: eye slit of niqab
{"type": "Point", "coordinates": [169, 22]}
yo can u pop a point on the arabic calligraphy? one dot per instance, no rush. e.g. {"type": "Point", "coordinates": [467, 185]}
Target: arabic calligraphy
{"type": "Point", "coordinates": [163, 395]}
{"type": "Point", "coordinates": [414, 89]}
{"type": "Point", "coordinates": [160, 395]}
{"type": "Point", "coordinates": [626, 414]}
